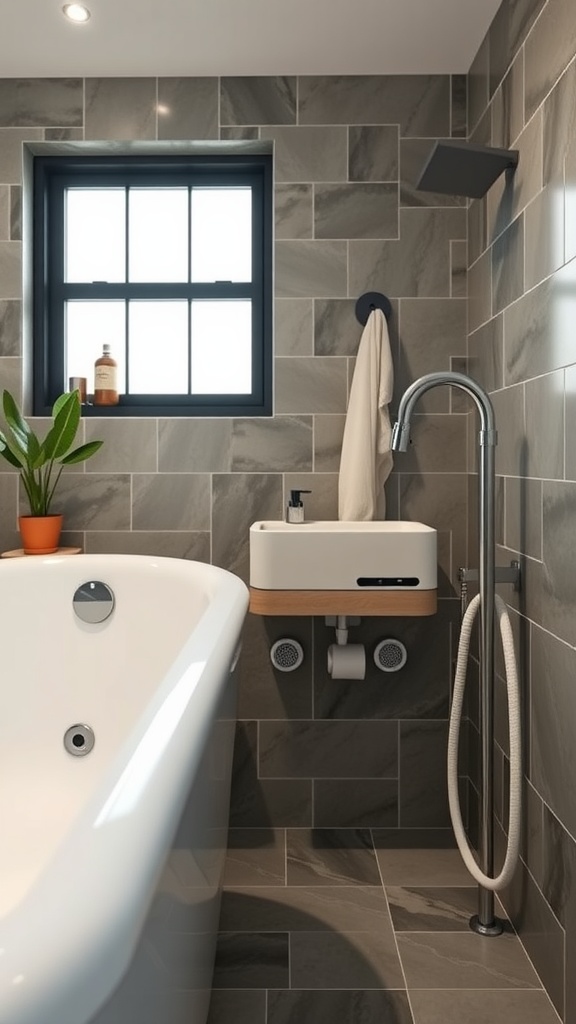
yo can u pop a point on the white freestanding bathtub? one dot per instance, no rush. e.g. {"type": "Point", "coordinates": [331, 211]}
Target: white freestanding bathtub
{"type": "Point", "coordinates": [110, 861]}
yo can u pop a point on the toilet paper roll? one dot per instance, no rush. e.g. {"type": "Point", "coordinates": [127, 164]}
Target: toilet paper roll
{"type": "Point", "coordinates": [347, 661]}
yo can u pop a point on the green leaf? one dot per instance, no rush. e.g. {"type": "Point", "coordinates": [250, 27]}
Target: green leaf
{"type": "Point", "coordinates": [66, 422]}
{"type": "Point", "coordinates": [85, 451]}
{"type": "Point", "coordinates": [8, 454]}
{"type": "Point", "coordinates": [14, 417]}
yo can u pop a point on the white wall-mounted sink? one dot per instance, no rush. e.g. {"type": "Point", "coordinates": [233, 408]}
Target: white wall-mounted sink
{"type": "Point", "coordinates": [379, 556]}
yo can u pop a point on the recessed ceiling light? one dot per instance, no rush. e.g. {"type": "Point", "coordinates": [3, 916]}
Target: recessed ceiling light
{"type": "Point", "coordinates": [76, 12]}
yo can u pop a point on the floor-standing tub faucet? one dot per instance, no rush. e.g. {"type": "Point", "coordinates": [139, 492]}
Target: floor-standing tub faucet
{"type": "Point", "coordinates": [485, 922]}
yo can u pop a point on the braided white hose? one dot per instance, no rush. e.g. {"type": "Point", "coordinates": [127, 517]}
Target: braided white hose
{"type": "Point", "coordinates": [513, 847]}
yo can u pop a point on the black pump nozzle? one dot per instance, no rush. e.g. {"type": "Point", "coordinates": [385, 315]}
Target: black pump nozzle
{"type": "Point", "coordinates": [295, 498]}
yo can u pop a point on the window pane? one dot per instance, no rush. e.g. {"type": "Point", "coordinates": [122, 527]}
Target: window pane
{"type": "Point", "coordinates": [95, 235]}
{"type": "Point", "coordinates": [222, 234]}
{"type": "Point", "coordinates": [158, 234]}
{"type": "Point", "coordinates": [221, 347]}
{"type": "Point", "coordinates": [88, 326]}
{"type": "Point", "coordinates": [158, 335]}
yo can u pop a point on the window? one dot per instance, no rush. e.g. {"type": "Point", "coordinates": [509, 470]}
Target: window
{"type": "Point", "coordinates": [168, 260]}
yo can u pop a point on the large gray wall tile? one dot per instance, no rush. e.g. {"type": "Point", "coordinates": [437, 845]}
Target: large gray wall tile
{"type": "Point", "coordinates": [545, 426]}
{"type": "Point", "coordinates": [293, 327]}
{"type": "Point", "coordinates": [367, 210]}
{"type": "Point", "coordinates": [420, 107]}
{"type": "Point", "coordinates": [187, 108]}
{"type": "Point", "coordinates": [97, 501]}
{"type": "Point", "coordinates": [553, 722]}
{"type": "Point", "coordinates": [549, 49]}
{"type": "Point", "coordinates": [169, 543]}
{"type": "Point", "coordinates": [478, 84]}
{"type": "Point", "coordinates": [171, 501]}
{"type": "Point", "coordinates": [129, 446]}
{"type": "Point", "coordinates": [328, 750]}
{"type": "Point", "coordinates": [308, 154]}
{"type": "Point", "coordinates": [315, 268]}
{"type": "Point", "coordinates": [261, 445]}
{"type": "Point", "coordinates": [194, 445]}
{"type": "Point", "coordinates": [508, 265]}
{"type": "Point", "coordinates": [11, 144]}
{"type": "Point", "coordinates": [10, 270]}
{"type": "Point", "coordinates": [310, 385]}
{"type": "Point", "coordinates": [238, 500]}
{"type": "Point", "coordinates": [431, 332]}
{"type": "Point", "coordinates": [373, 152]}
{"type": "Point", "coordinates": [253, 100]}
{"type": "Point", "coordinates": [559, 110]}
{"type": "Point", "coordinates": [511, 25]}
{"type": "Point", "coordinates": [10, 318]}
{"type": "Point", "coordinates": [120, 108]}
{"type": "Point", "coordinates": [293, 211]}
{"type": "Point", "coordinates": [40, 101]}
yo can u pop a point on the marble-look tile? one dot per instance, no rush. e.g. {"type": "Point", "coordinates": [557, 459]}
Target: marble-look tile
{"type": "Point", "coordinates": [296, 1006]}
{"type": "Point", "coordinates": [431, 331]}
{"type": "Point", "coordinates": [361, 960]}
{"type": "Point", "coordinates": [11, 145]}
{"type": "Point", "coordinates": [420, 107]}
{"type": "Point", "coordinates": [508, 106]}
{"type": "Point", "coordinates": [373, 152]}
{"type": "Point", "coordinates": [458, 268]}
{"type": "Point", "coordinates": [436, 960]}
{"type": "Point", "coordinates": [255, 856]}
{"type": "Point", "coordinates": [477, 229]}
{"type": "Point", "coordinates": [549, 49]}
{"type": "Point", "coordinates": [355, 803]}
{"type": "Point", "coordinates": [16, 213]}
{"type": "Point", "coordinates": [310, 268]}
{"type": "Point", "coordinates": [330, 857]}
{"type": "Point", "coordinates": [482, 133]}
{"type": "Point", "coordinates": [293, 327]}
{"type": "Point", "coordinates": [545, 426]}
{"type": "Point", "coordinates": [553, 720]}
{"type": "Point", "coordinates": [438, 444]}
{"type": "Point", "coordinates": [532, 846]}
{"type": "Point", "coordinates": [414, 154]}
{"type": "Point", "coordinates": [10, 270]}
{"type": "Point", "coordinates": [478, 84]}
{"type": "Point", "coordinates": [508, 265]}
{"type": "Point", "coordinates": [266, 692]}
{"type": "Point", "coordinates": [544, 226]}
{"type": "Point", "coordinates": [64, 134]}
{"type": "Point", "coordinates": [537, 328]}
{"type": "Point", "coordinates": [327, 908]}
{"type": "Point", "coordinates": [9, 535]}
{"type": "Point", "coordinates": [423, 795]}
{"type": "Point", "coordinates": [244, 1006]}
{"type": "Point", "coordinates": [441, 501]}
{"type": "Point", "coordinates": [187, 108]}
{"type": "Point", "coordinates": [558, 867]}
{"type": "Point", "coordinates": [557, 593]}
{"type": "Point", "coordinates": [10, 327]}
{"type": "Point", "coordinates": [120, 108]}
{"type": "Point", "coordinates": [478, 1006]}
{"type": "Point", "coordinates": [524, 516]}
{"type": "Point", "coordinates": [328, 433]}
{"type": "Point", "coordinates": [251, 960]}
{"type": "Point", "coordinates": [513, 190]}
{"type": "Point", "coordinates": [322, 502]}
{"type": "Point", "coordinates": [267, 803]}
{"type": "Point", "coordinates": [40, 101]}
{"type": "Point", "coordinates": [570, 422]}
{"type": "Point", "coordinates": [486, 354]}
{"type": "Point", "coordinates": [418, 264]}
{"type": "Point", "coordinates": [558, 112]}
{"type": "Point", "coordinates": [509, 28]}
{"type": "Point", "coordinates": [4, 212]}
{"type": "Point", "coordinates": [570, 203]}
{"type": "Point", "coordinates": [264, 445]}
{"type": "Point", "coordinates": [172, 544]}
{"type": "Point", "coordinates": [194, 445]}
{"type": "Point", "coordinates": [95, 501]}
{"type": "Point", "coordinates": [308, 154]}
{"type": "Point", "coordinates": [310, 385]}
{"type": "Point", "coordinates": [240, 499]}
{"type": "Point", "coordinates": [293, 211]}
{"type": "Point", "coordinates": [359, 210]}
{"type": "Point", "coordinates": [171, 501]}
{"type": "Point", "coordinates": [425, 867]}
{"type": "Point", "coordinates": [11, 377]}
{"type": "Point", "coordinates": [242, 132]}
{"type": "Point", "coordinates": [252, 100]}
{"type": "Point", "coordinates": [432, 909]}
{"type": "Point", "coordinates": [459, 106]}
{"type": "Point", "coordinates": [328, 750]}
{"type": "Point", "coordinates": [129, 445]}
{"type": "Point", "coordinates": [337, 332]}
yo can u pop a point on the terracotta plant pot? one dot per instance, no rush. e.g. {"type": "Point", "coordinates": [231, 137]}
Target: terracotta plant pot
{"type": "Point", "coordinates": [40, 534]}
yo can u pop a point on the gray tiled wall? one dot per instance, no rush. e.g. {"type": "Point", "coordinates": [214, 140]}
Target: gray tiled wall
{"type": "Point", "coordinates": [522, 92]}
{"type": "Point", "coordinates": [311, 752]}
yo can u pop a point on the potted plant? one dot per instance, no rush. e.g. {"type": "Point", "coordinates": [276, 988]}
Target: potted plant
{"type": "Point", "coordinates": [40, 464]}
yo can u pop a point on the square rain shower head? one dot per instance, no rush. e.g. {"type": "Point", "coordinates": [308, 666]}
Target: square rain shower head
{"type": "Point", "coordinates": [460, 168]}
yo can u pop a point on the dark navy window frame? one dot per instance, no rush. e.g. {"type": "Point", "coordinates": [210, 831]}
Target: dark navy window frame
{"type": "Point", "coordinates": [52, 176]}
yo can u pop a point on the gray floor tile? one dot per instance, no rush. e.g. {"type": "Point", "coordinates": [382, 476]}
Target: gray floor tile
{"type": "Point", "coordinates": [243, 1006]}
{"type": "Point", "coordinates": [352, 1007]}
{"type": "Point", "coordinates": [339, 960]}
{"type": "Point", "coordinates": [330, 857]}
{"type": "Point", "coordinates": [442, 908]}
{"type": "Point", "coordinates": [305, 908]}
{"type": "Point", "coordinates": [458, 960]}
{"type": "Point", "coordinates": [476, 1007]}
{"type": "Point", "coordinates": [256, 856]}
{"type": "Point", "coordinates": [251, 960]}
{"type": "Point", "coordinates": [422, 867]}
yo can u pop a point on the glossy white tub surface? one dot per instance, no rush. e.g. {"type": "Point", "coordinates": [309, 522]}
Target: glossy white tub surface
{"type": "Point", "coordinates": [85, 839]}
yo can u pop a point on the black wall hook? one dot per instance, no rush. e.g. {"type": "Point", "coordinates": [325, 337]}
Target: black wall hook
{"type": "Point", "coordinates": [369, 301]}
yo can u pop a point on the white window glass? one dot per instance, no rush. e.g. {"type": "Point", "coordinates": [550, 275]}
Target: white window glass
{"type": "Point", "coordinates": [88, 326]}
{"type": "Point", "coordinates": [158, 234]}
{"type": "Point", "coordinates": [221, 347]}
{"type": "Point", "coordinates": [95, 235]}
{"type": "Point", "coordinates": [222, 234]}
{"type": "Point", "coordinates": [158, 333]}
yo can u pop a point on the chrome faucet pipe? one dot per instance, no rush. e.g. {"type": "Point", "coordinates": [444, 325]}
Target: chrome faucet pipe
{"type": "Point", "coordinates": [485, 922]}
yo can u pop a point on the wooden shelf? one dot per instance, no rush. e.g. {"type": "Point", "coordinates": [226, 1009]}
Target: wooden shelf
{"type": "Point", "coordinates": [20, 553]}
{"type": "Point", "coordinates": [343, 602]}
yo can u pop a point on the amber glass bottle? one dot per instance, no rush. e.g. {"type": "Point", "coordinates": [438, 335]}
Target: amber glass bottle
{"type": "Point", "coordinates": [105, 379]}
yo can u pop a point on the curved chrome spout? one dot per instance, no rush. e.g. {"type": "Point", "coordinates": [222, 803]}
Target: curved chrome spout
{"type": "Point", "coordinates": [487, 439]}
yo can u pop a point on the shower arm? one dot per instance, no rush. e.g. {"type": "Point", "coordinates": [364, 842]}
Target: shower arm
{"type": "Point", "coordinates": [485, 922]}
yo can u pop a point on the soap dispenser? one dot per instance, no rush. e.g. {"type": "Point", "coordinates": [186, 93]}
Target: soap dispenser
{"type": "Point", "coordinates": [295, 510]}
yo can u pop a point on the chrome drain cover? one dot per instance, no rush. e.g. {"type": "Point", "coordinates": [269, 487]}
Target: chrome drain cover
{"type": "Point", "coordinates": [79, 740]}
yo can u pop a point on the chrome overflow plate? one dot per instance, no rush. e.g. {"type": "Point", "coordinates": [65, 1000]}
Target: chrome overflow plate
{"type": "Point", "coordinates": [93, 601]}
{"type": "Point", "coordinates": [79, 740]}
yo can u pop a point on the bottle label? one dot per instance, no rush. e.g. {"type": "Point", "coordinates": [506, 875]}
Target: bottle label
{"type": "Point", "coordinates": [105, 378]}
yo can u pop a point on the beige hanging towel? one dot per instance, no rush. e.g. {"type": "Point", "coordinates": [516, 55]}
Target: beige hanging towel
{"type": "Point", "coordinates": [366, 459]}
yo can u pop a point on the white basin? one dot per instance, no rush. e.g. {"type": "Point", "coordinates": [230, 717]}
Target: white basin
{"type": "Point", "coordinates": [391, 555]}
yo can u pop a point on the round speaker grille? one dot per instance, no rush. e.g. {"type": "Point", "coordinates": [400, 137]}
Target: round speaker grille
{"type": "Point", "coordinates": [390, 655]}
{"type": "Point", "coordinates": [286, 655]}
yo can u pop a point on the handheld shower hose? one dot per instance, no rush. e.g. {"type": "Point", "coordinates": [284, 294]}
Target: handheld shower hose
{"type": "Point", "coordinates": [513, 847]}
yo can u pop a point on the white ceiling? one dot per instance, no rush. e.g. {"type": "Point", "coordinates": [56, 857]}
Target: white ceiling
{"type": "Point", "coordinates": [242, 37]}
